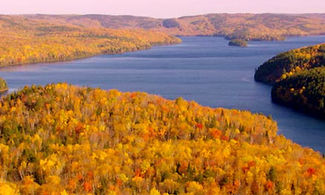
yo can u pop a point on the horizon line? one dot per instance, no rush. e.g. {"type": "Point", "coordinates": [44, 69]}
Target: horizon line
{"type": "Point", "coordinates": [105, 14]}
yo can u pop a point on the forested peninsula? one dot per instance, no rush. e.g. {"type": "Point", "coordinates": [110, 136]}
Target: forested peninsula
{"type": "Point", "coordinates": [49, 38]}
{"type": "Point", "coordinates": [62, 139]}
{"type": "Point", "coordinates": [26, 41]}
{"type": "Point", "coordinates": [298, 77]}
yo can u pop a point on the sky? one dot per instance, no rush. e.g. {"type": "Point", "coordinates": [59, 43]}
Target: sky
{"type": "Point", "coordinates": [159, 8]}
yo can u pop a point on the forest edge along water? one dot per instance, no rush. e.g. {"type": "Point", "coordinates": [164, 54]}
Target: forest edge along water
{"type": "Point", "coordinates": [203, 69]}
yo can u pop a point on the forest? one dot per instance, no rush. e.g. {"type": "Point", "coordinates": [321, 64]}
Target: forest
{"type": "Point", "coordinates": [298, 78]}
{"type": "Point", "coordinates": [38, 38]}
{"type": "Point", "coordinates": [291, 62]}
{"type": "Point", "coordinates": [3, 85]}
{"type": "Point", "coordinates": [63, 139]}
{"type": "Point", "coordinates": [25, 41]}
{"type": "Point", "coordinates": [304, 91]}
{"type": "Point", "coordinates": [231, 26]}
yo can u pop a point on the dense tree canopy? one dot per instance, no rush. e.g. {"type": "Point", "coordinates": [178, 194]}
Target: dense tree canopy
{"type": "Point", "coordinates": [26, 41]}
{"type": "Point", "coordinates": [232, 26]}
{"type": "Point", "coordinates": [298, 77]}
{"type": "Point", "coordinates": [291, 62]}
{"type": "Point", "coordinates": [3, 85]}
{"type": "Point", "coordinates": [304, 91]}
{"type": "Point", "coordinates": [70, 140]}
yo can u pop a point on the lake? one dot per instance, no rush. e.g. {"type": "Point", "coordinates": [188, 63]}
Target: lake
{"type": "Point", "coordinates": [204, 69]}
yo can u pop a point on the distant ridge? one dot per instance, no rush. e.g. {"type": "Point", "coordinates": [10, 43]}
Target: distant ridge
{"type": "Point", "coordinates": [38, 39]}
{"type": "Point", "coordinates": [243, 25]}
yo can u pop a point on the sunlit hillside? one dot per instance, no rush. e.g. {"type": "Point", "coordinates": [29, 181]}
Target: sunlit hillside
{"type": "Point", "coordinates": [25, 41]}
{"type": "Point", "coordinates": [49, 38]}
{"type": "Point", "coordinates": [232, 26]}
{"type": "Point", "coordinates": [70, 140]}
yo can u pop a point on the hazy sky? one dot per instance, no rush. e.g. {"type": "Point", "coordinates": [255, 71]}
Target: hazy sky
{"type": "Point", "coordinates": [159, 8]}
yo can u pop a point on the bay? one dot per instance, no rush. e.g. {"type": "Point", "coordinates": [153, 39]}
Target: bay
{"type": "Point", "coordinates": [204, 69]}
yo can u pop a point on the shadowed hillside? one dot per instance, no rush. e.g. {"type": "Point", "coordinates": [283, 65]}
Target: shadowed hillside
{"type": "Point", "coordinates": [304, 91]}
{"type": "Point", "coordinates": [298, 76]}
{"type": "Point", "coordinates": [291, 62]}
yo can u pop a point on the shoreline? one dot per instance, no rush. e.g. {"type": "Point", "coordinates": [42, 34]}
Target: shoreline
{"type": "Point", "coordinates": [153, 45]}
{"type": "Point", "coordinates": [86, 57]}
{"type": "Point", "coordinates": [4, 90]}
{"type": "Point", "coordinates": [274, 108]}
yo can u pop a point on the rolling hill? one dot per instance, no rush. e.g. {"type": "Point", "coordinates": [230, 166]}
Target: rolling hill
{"type": "Point", "coordinates": [298, 79]}
{"type": "Point", "coordinates": [50, 38]}
{"type": "Point", "coordinates": [26, 41]}
{"type": "Point", "coordinates": [239, 26]}
{"type": "Point", "coordinates": [62, 139]}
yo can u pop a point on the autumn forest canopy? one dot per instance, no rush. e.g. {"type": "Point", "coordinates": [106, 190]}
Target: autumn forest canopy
{"type": "Point", "coordinates": [231, 26]}
{"type": "Point", "coordinates": [66, 139]}
{"type": "Point", "coordinates": [29, 39]}
{"type": "Point", "coordinates": [298, 77]}
{"type": "Point", "coordinates": [304, 90]}
{"type": "Point", "coordinates": [3, 85]}
{"type": "Point", "coordinates": [25, 41]}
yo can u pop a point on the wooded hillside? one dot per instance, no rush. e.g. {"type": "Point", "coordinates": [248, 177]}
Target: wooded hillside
{"type": "Point", "coordinates": [232, 26]}
{"type": "Point", "coordinates": [70, 140]}
{"type": "Point", "coordinates": [25, 40]}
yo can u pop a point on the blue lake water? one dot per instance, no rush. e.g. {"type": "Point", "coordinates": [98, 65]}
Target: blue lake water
{"type": "Point", "coordinates": [204, 69]}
